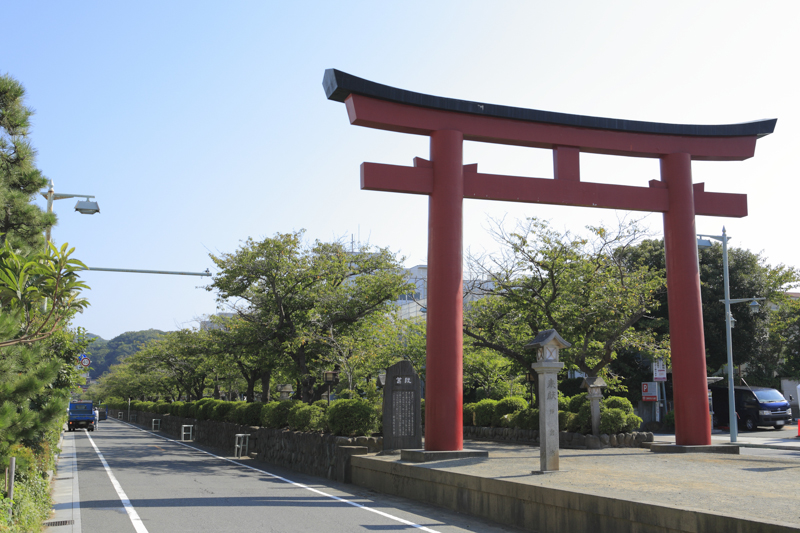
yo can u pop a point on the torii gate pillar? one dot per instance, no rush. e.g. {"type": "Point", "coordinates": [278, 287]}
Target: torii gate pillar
{"type": "Point", "coordinates": [444, 394]}
{"type": "Point", "coordinates": [447, 182]}
{"type": "Point", "coordinates": [685, 308]}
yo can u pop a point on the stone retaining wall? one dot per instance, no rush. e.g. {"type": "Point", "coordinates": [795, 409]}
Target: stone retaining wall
{"type": "Point", "coordinates": [313, 453]}
{"type": "Point", "coordinates": [565, 440]}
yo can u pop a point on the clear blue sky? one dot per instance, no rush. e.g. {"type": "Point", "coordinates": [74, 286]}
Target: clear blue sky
{"type": "Point", "coordinates": [199, 124]}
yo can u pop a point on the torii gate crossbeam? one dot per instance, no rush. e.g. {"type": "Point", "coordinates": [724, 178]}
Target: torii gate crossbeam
{"type": "Point", "coordinates": [446, 181]}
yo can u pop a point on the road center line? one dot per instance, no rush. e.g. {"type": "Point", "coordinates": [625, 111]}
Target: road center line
{"type": "Point", "coordinates": [132, 514]}
{"type": "Point", "coordinates": [300, 485]}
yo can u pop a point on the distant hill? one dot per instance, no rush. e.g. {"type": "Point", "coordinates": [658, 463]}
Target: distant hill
{"type": "Point", "coordinates": [105, 353]}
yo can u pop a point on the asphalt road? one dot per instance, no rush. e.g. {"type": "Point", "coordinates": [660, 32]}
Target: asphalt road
{"type": "Point", "coordinates": [131, 480]}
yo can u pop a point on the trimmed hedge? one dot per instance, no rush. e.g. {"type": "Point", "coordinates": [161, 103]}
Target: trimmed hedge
{"type": "Point", "coordinates": [484, 412]}
{"type": "Point", "coordinates": [507, 406]}
{"type": "Point", "coordinates": [352, 417]}
{"type": "Point", "coordinates": [468, 415]}
{"type": "Point", "coordinates": [303, 417]}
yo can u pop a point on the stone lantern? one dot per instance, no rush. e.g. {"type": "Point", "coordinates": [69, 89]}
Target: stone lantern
{"type": "Point", "coordinates": [547, 345]}
{"type": "Point", "coordinates": [595, 395]}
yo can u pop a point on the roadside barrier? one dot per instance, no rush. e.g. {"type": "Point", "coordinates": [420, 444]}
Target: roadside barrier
{"type": "Point", "coordinates": [242, 444]}
{"type": "Point", "coordinates": [156, 424]}
{"type": "Point", "coordinates": [187, 430]}
{"type": "Point", "coordinates": [119, 415]}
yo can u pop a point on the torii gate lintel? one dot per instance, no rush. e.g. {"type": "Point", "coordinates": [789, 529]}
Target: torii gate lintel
{"type": "Point", "coordinates": [447, 181]}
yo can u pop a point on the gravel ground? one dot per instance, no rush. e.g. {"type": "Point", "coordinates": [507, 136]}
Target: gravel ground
{"type": "Point", "coordinates": [759, 484]}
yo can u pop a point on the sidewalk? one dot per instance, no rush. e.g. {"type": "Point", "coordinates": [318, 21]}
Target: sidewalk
{"type": "Point", "coordinates": [66, 516]}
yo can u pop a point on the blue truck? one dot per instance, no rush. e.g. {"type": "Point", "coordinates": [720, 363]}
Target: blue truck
{"type": "Point", "coordinates": [81, 415]}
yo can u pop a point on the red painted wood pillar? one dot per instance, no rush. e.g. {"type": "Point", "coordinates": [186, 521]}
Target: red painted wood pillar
{"type": "Point", "coordinates": [692, 423]}
{"type": "Point", "coordinates": [444, 372]}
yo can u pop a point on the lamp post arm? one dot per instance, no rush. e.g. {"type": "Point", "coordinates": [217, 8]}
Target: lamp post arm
{"type": "Point", "coordinates": [742, 300]}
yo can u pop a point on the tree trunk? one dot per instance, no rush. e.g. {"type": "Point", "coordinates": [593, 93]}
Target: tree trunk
{"type": "Point", "coordinates": [216, 391]}
{"type": "Point", "coordinates": [266, 377]}
{"type": "Point", "coordinates": [251, 389]}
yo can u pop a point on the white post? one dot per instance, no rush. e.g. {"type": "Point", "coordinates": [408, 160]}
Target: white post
{"type": "Point", "coordinates": [732, 421]}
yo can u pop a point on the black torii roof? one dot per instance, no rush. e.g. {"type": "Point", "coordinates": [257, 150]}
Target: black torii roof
{"type": "Point", "coordinates": [339, 85]}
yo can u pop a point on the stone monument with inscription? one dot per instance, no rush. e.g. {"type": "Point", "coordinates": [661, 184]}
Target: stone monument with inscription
{"type": "Point", "coordinates": [402, 421]}
{"type": "Point", "coordinates": [547, 344]}
{"type": "Point", "coordinates": [595, 395]}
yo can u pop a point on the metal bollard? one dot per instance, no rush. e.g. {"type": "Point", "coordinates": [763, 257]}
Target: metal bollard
{"type": "Point", "coordinates": [156, 424]}
{"type": "Point", "coordinates": [187, 430]}
{"type": "Point", "coordinates": [241, 445]}
{"type": "Point", "coordinates": [120, 415]}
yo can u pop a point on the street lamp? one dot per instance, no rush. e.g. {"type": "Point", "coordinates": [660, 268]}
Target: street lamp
{"type": "Point", "coordinates": [754, 307]}
{"type": "Point", "coordinates": [530, 377]}
{"type": "Point", "coordinates": [330, 377]}
{"type": "Point", "coordinates": [84, 207]}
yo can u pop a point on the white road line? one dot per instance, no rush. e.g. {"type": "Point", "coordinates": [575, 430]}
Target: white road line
{"type": "Point", "coordinates": [337, 498]}
{"type": "Point", "coordinates": [132, 514]}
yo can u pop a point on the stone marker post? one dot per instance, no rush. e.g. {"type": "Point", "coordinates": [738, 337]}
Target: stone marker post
{"type": "Point", "coordinates": [402, 422]}
{"type": "Point", "coordinates": [548, 343]}
{"type": "Point", "coordinates": [595, 395]}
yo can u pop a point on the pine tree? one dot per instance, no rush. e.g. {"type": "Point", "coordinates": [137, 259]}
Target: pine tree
{"type": "Point", "coordinates": [21, 221]}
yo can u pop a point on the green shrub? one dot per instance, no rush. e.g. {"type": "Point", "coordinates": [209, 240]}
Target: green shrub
{"type": "Point", "coordinates": [160, 407]}
{"type": "Point", "coordinates": [176, 408]}
{"type": "Point", "coordinates": [633, 423]}
{"type": "Point", "coordinates": [563, 402]}
{"type": "Point", "coordinates": [252, 414]}
{"type": "Point", "coordinates": [582, 423]}
{"type": "Point", "coordinates": [205, 410]}
{"type": "Point", "coordinates": [236, 414]}
{"type": "Point", "coordinates": [323, 404]}
{"type": "Point", "coordinates": [578, 401]}
{"type": "Point", "coordinates": [507, 406]}
{"type": "Point", "coordinates": [220, 410]}
{"type": "Point", "coordinates": [613, 421]}
{"type": "Point", "coordinates": [468, 411]}
{"type": "Point", "coordinates": [618, 402]}
{"type": "Point", "coordinates": [304, 417]}
{"type": "Point", "coordinates": [276, 414]}
{"type": "Point", "coordinates": [669, 421]}
{"type": "Point", "coordinates": [565, 419]}
{"type": "Point", "coordinates": [484, 412]}
{"type": "Point", "coordinates": [352, 418]}
{"type": "Point", "coordinates": [525, 419]}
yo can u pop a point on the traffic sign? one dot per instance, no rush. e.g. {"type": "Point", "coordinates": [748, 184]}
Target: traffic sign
{"type": "Point", "coordinates": [649, 391]}
{"type": "Point", "coordinates": [85, 362]}
{"type": "Point", "coordinates": [659, 370]}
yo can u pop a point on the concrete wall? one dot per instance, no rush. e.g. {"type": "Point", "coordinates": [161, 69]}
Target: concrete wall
{"type": "Point", "coordinates": [535, 508]}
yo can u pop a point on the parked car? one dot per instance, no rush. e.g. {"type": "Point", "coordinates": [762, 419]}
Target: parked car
{"type": "Point", "coordinates": [755, 406]}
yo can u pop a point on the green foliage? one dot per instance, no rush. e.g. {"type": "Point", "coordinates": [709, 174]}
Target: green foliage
{"type": "Point", "coordinates": [176, 409]}
{"type": "Point", "coordinates": [236, 415]}
{"type": "Point", "coordinates": [633, 423]}
{"type": "Point", "coordinates": [669, 421]}
{"type": "Point", "coordinates": [563, 402]}
{"type": "Point", "coordinates": [469, 414]}
{"type": "Point", "coordinates": [23, 222]}
{"type": "Point", "coordinates": [105, 354]}
{"type": "Point", "coordinates": [304, 417]}
{"type": "Point", "coordinates": [582, 423]}
{"type": "Point", "coordinates": [354, 417]}
{"type": "Point", "coordinates": [613, 420]}
{"type": "Point", "coordinates": [585, 287]}
{"type": "Point", "coordinates": [578, 401]}
{"type": "Point", "coordinates": [252, 414]}
{"type": "Point", "coordinates": [484, 412]}
{"type": "Point", "coordinates": [507, 406]}
{"type": "Point", "coordinates": [565, 419]}
{"type": "Point", "coordinates": [525, 419]}
{"type": "Point", "coordinates": [276, 414]}
{"type": "Point", "coordinates": [221, 409]}
{"type": "Point", "coordinates": [322, 404]}
{"type": "Point", "coordinates": [301, 299]}
{"type": "Point", "coordinates": [618, 402]}
{"type": "Point", "coordinates": [422, 409]}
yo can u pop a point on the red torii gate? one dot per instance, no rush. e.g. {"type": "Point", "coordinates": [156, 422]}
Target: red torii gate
{"type": "Point", "coordinates": [444, 178]}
